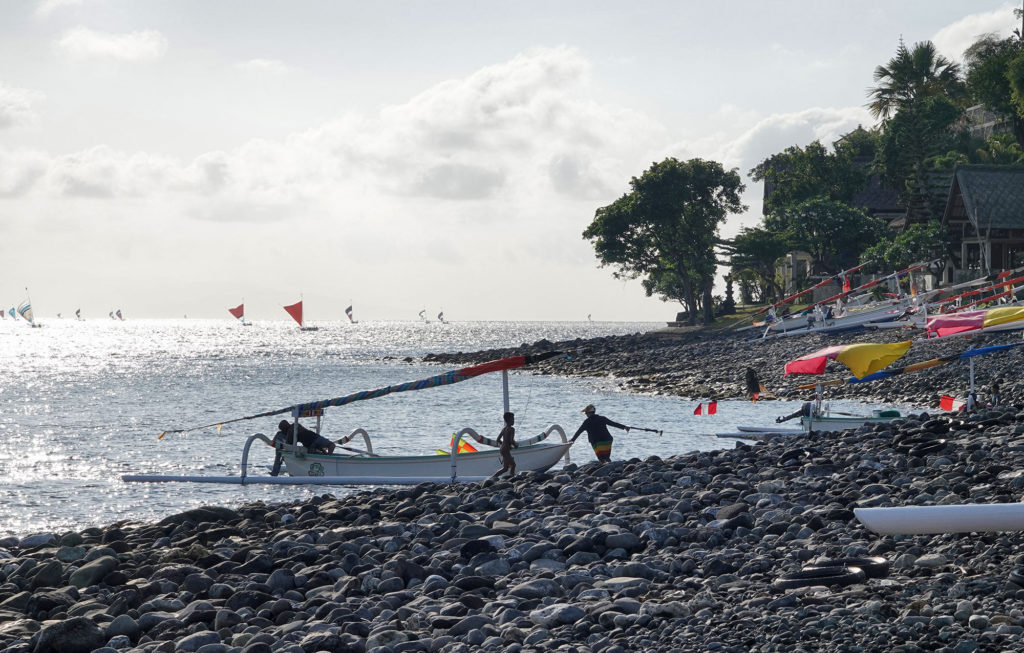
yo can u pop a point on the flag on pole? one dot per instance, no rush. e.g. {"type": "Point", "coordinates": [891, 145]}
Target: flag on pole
{"type": "Point", "coordinates": [464, 447]}
{"type": "Point", "coordinates": [712, 407]}
{"type": "Point", "coordinates": [950, 403]}
{"type": "Point", "coordinates": [697, 410]}
{"type": "Point", "coordinates": [846, 284]}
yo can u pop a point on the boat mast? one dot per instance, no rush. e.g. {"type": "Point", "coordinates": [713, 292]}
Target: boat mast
{"type": "Point", "coordinates": [504, 389]}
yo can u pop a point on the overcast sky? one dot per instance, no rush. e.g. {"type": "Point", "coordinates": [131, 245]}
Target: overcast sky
{"type": "Point", "coordinates": [174, 157]}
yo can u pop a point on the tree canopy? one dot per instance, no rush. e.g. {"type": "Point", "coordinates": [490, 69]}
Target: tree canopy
{"type": "Point", "coordinates": [666, 228]}
{"type": "Point", "coordinates": [799, 174]}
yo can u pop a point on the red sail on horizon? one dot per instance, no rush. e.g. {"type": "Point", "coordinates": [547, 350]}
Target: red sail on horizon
{"type": "Point", "coordinates": [295, 310]}
{"type": "Point", "coordinates": [238, 311]}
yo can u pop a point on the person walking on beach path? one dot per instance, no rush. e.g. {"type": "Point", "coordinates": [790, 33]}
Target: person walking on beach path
{"type": "Point", "coordinates": [596, 427]}
{"type": "Point", "coordinates": [507, 442]}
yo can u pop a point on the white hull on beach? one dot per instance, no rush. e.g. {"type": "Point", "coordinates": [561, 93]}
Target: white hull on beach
{"type": "Point", "coordinates": [930, 520]}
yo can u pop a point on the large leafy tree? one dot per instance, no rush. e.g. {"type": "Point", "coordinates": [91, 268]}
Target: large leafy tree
{"type": "Point", "coordinates": [913, 75]}
{"type": "Point", "coordinates": [666, 228]}
{"type": "Point", "coordinates": [753, 254]}
{"type": "Point", "coordinates": [802, 173]}
{"type": "Point", "coordinates": [833, 233]}
{"type": "Point", "coordinates": [989, 61]}
{"type": "Point", "coordinates": [918, 243]}
{"type": "Point", "coordinates": [910, 141]}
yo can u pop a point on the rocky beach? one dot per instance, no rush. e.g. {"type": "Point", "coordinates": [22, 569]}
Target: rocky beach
{"type": "Point", "coordinates": [678, 554]}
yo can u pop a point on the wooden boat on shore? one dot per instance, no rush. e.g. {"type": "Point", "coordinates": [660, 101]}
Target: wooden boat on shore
{"type": "Point", "coordinates": [356, 467]}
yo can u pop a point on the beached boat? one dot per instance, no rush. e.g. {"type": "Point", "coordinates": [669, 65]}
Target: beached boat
{"type": "Point", "coordinates": [354, 466]}
{"type": "Point", "coordinates": [928, 520]}
{"type": "Point", "coordinates": [822, 419]}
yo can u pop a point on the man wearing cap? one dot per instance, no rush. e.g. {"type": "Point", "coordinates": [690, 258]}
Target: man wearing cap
{"type": "Point", "coordinates": [596, 427]}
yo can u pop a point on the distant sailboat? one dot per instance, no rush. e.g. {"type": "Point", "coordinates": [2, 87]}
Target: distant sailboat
{"type": "Point", "coordinates": [295, 310]}
{"type": "Point", "coordinates": [348, 312]}
{"type": "Point", "coordinates": [25, 311]}
{"type": "Point", "coordinates": [440, 317]}
{"type": "Point", "coordinates": [118, 314]}
{"type": "Point", "coordinates": [78, 314]}
{"type": "Point", "coordinates": [423, 316]}
{"type": "Point", "coordinates": [13, 313]}
{"type": "Point", "coordinates": [239, 312]}
{"type": "Point", "coordinates": [112, 315]}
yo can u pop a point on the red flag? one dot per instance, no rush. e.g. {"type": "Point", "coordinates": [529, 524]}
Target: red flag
{"type": "Point", "coordinates": [846, 284]}
{"type": "Point", "coordinates": [950, 403]}
{"type": "Point", "coordinates": [753, 397]}
{"type": "Point", "coordinates": [697, 410]}
{"type": "Point", "coordinates": [712, 407]}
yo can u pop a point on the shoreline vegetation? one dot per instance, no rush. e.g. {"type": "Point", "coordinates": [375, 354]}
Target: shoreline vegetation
{"type": "Point", "coordinates": [675, 554]}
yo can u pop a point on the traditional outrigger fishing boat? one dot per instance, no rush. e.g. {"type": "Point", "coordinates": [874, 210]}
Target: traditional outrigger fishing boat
{"type": "Point", "coordinates": [356, 467]}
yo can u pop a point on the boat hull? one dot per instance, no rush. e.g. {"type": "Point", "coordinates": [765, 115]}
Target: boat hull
{"type": "Point", "coordinates": [927, 520]}
{"type": "Point", "coordinates": [472, 466]}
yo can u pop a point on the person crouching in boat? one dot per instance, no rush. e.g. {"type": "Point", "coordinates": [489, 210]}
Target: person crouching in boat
{"type": "Point", "coordinates": [805, 411]}
{"type": "Point", "coordinates": [507, 442]}
{"type": "Point", "coordinates": [313, 441]}
{"type": "Point", "coordinates": [596, 427]}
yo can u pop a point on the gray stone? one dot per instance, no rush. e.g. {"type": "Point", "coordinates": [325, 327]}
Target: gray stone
{"type": "Point", "coordinates": [556, 614]}
{"type": "Point", "coordinates": [75, 635]}
{"type": "Point", "coordinates": [385, 638]}
{"type": "Point", "coordinates": [536, 589]}
{"type": "Point", "coordinates": [93, 572]}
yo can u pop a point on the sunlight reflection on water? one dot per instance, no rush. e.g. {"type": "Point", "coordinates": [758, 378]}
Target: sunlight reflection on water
{"type": "Point", "coordinates": [82, 403]}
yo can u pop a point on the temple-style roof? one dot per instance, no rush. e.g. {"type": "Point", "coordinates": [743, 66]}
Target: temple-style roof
{"type": "Point", "coordinates": [989, 196]}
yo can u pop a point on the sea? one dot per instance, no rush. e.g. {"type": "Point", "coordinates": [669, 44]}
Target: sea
{"type": "Point", "coordinates": [83, 403]}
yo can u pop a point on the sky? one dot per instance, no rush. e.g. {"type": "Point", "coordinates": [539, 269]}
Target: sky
{"type": "Point", "coordinates": [176, 157]}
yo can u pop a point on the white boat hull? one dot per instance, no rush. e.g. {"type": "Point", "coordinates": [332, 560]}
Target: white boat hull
{"type": "Point", "coordinates": [827, 423]}
{"type": "Point", "coordinates": [473, 466]}
{"type": "Point", "coordinates": [928, 520]}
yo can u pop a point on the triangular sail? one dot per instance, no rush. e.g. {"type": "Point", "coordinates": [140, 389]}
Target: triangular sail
{"type": "Point", "coordinates": [25, 310]}
{"type": "Point", "coordinates": [118, 314]}
{"type": "Point", "coordinates": [295, 310]}
{"type": "Point", "coordinates": [78, 313]}
{"type": "Point", "coordinates": [348, 312]}
{"type": "Point", "coordinates": [238, 311]}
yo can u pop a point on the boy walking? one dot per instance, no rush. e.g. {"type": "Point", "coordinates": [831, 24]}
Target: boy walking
{"type": "Point", "coordinates": [506, 442]}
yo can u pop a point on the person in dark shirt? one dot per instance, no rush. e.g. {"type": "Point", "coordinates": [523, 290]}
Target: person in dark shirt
{"type": "Point", "coordinates": [596, 427]}
{"type": "Point", "coordinates": [313, 441]}
{"type": "Point", "coordinates": [804, 411]}
{"type": "Point", "coordinates": [506, 442]}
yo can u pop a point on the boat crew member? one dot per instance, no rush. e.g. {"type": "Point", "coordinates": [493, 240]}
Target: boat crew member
{"type": "Point", "coordinates": [507, 442]}
{"type": "Point", "coordinates": [313, 441]}
{"type": "Point", "coordinates": [805, 411]}
{"type": "Point", "coordinates": [596, 427]}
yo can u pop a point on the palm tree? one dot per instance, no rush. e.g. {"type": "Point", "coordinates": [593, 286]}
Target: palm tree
{"type": "Point", "coordinates": [913, 75]}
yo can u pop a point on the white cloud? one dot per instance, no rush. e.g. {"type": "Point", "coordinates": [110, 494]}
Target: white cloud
{"type": "Point", "coordinates": [16, 106]}
{"type": "Point", "coordinates": [777, 132]}
{"type": "Point", "coordinates": [953, 39]}
{"type": "Point", "coordinates": [84, 43]}
{"type": "Point", "coordinates": [47, 7]}
{"type": "Point", "coordinates": [264, 67]}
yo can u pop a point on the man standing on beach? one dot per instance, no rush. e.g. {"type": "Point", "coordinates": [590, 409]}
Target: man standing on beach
{"type": "Point", "coordinates": [596, 427]}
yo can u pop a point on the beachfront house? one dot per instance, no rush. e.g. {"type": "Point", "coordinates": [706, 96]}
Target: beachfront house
{"type": "Point", "coordinates": [984, 218]}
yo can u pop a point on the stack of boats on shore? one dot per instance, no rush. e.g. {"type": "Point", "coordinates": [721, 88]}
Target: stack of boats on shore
{"type": "Point", "coordinates": [868, 361]}
{"type": "Point", "coordinates": [856, 309]}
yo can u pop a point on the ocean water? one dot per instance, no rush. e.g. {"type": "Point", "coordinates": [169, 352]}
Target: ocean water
{"type": "Point", "coordinates": [83, 402]}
